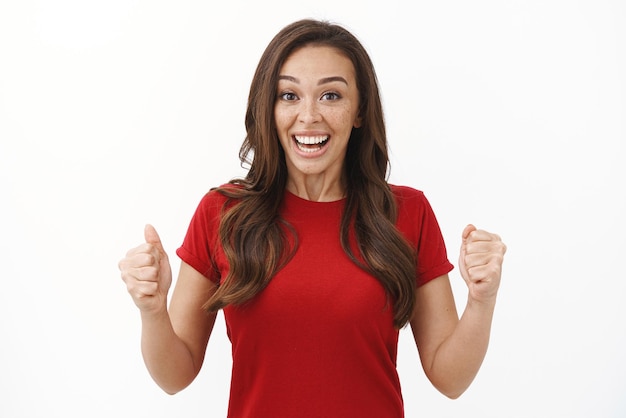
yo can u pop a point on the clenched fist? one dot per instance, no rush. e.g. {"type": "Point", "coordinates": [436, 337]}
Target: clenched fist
{"type": "Point", "coordinates": [480, 263]}
{"type": "Point", "coordinates": [147, 273]}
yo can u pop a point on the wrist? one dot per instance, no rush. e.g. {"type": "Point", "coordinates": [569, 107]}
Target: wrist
{"type": "Point", "coordinates": [154, 315]}
{"type": "Point", "coordinates": [484, 304]}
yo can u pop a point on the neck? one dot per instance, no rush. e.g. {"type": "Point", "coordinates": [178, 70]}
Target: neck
{"type": "Point", "coordinates": [317, 188]}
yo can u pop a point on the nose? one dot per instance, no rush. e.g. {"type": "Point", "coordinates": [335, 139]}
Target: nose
{"type": "Point", "coordinates": [309, 112]}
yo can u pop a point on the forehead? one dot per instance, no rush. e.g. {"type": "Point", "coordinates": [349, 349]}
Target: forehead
{"type": "Point", "coordinates": [318, 60]}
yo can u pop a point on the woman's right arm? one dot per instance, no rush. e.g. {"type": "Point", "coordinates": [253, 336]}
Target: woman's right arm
{"type": "Point", "coordinates": [173, 343]}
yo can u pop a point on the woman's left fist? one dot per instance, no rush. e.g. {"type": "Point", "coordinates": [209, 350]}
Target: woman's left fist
{"type": "Point", "coordinates": [480, 263]}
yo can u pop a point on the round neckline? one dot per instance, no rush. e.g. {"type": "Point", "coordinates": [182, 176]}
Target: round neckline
{"type": "Point", "coordinates": [290, 196]}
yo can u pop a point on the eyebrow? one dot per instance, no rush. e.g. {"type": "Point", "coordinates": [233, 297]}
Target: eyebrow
{"type": "Point", "coordinates": [321, 81]}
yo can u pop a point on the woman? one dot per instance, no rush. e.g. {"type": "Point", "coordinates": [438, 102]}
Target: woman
{"type": "Point", "coordinates": [315, 259]}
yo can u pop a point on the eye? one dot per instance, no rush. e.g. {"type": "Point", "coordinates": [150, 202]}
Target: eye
{"type": "Point", "coordinates": [287, 96]}
{"type": "Point", "coordinates": [331, 95]}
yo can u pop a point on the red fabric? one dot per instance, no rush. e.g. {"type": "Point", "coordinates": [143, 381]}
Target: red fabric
{"type": "Point", "coordinates": [319, 341]}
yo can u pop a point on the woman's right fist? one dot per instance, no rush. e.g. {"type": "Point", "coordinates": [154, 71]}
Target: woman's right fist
{"type": "Point", "coordinates": [147, 273]}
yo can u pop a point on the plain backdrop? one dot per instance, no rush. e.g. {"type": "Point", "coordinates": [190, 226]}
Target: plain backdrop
{"type": "Point", "coordinates": [507, 114]}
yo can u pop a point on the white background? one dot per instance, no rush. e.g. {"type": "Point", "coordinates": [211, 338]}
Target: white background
{"type": "Point", "coordinates": [508, 114]}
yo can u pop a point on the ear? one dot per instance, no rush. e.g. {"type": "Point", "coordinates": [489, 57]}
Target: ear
{"type": "Point", "coordinates": [357, 122]}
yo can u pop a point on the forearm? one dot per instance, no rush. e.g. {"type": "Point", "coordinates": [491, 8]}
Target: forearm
{"type": "Point", "coordinates": [458, 359]}
{"type": "Point", "coordinates": [166, 356]}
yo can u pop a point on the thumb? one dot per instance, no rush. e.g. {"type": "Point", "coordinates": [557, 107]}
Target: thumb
{"type": "Point", "coordinates": [468, 230]}
{"type": "Point", "coordinates": [152, 237]}
{"type": "Point", "coordinates": [462, 267]}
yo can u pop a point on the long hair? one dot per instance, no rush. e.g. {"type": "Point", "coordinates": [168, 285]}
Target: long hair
{"type": "Point", "coordinates": [253, 235]}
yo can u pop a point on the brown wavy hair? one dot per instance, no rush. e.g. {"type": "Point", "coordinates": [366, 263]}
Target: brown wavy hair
{"type": "Point", "coordinates": [254, 236]}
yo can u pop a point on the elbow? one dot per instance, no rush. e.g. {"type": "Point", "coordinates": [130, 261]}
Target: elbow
{"type": "Point", "coordinates": [451, 389]}
{"type": "Point", "coordinates": [452, 394]}
{"type": "Point", "coordinates": [169, 391]}
{"type": "Point", "coordinates": [450, 382]}
{"type": "Point", "coordinates": [171, 388]}
{"type": "Point", "coordinates": [172, 383]}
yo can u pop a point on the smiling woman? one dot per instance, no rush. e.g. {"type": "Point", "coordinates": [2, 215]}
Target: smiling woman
{"type": "Point", "coordinates": [316, 110]}
{"type": "Point", "coordinates": [315, 260]}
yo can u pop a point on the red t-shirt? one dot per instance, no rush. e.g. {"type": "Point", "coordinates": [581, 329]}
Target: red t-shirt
{"type": "Point", "coordinates": [319, 340]}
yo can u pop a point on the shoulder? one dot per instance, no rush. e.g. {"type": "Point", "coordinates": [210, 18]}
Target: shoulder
{"type": "Point", "coordinates": [400, 190]}
{"type": "Point", "coordinates": [216, 197]}
{"type": "Point", "coordinates": [412, 205]}
{"type": "Point", "coordinates": [213, 198]}
{"type": "Point", "coordinates": [407, 195]}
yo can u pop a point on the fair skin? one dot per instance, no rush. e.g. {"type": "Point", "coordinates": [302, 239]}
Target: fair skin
{"type": "Point", "coordinates": [452, 350]}
{"type": "Point", "coordinates": [317, 101]}
{"type": "Point", "coordinates": [317, 106]}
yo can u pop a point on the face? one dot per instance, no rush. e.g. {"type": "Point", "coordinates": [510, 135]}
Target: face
{"type": "Point", "coordinates": [316, 108]}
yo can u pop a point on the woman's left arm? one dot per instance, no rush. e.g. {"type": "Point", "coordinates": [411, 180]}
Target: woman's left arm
{"type": "Point", "coordinates": [452, 349]}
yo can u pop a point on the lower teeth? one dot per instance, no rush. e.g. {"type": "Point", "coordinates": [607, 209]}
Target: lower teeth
{"type": "Point", "coordinates": [310, 147]}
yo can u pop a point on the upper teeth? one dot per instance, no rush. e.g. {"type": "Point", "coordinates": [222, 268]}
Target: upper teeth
{"type": "Point", "coordinates": [308, 140]}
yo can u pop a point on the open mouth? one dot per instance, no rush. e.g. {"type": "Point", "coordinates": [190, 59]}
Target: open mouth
{"type": "Point", "coordinates": [311, 143]}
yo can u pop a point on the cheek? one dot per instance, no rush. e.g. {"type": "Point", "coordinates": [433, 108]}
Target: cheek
{"type": "Point", "coordinates": [282, 118]}
{"type": "Point", "coordinates": [345, 118]}
{"type": "Point", "coordinates": [277, 116]}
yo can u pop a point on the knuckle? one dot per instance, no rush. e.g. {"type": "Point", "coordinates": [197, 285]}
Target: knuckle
{"type": "Point", "coordinates": [142, 273]}
{"type": "Point", "coordinates": [129, 276]}
{"type": "Point", "coordinates": [132, 289]}
{"type": "Point", "coordinates": [498, 257]}
{"type": "Point", "coordinates": [147, 259]}
{"type": "Point", "coordinates": [140, 291]}
{"type": "Point", "coordinates": [148, 273]}
{"type": "Point", "coordinates": [494, 270]}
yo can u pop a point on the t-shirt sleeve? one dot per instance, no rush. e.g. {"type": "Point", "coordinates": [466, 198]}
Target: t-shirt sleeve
{"type": "Point", "coordinates": [199, 247]}
{"type": "Point", "coordinates": [417, 221]}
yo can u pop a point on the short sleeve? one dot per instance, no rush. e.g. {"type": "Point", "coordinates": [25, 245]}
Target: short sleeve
{"type": "Point", "coordinates": [418, 223]}
{"type": "Point", "coordinates": [200, 248]}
